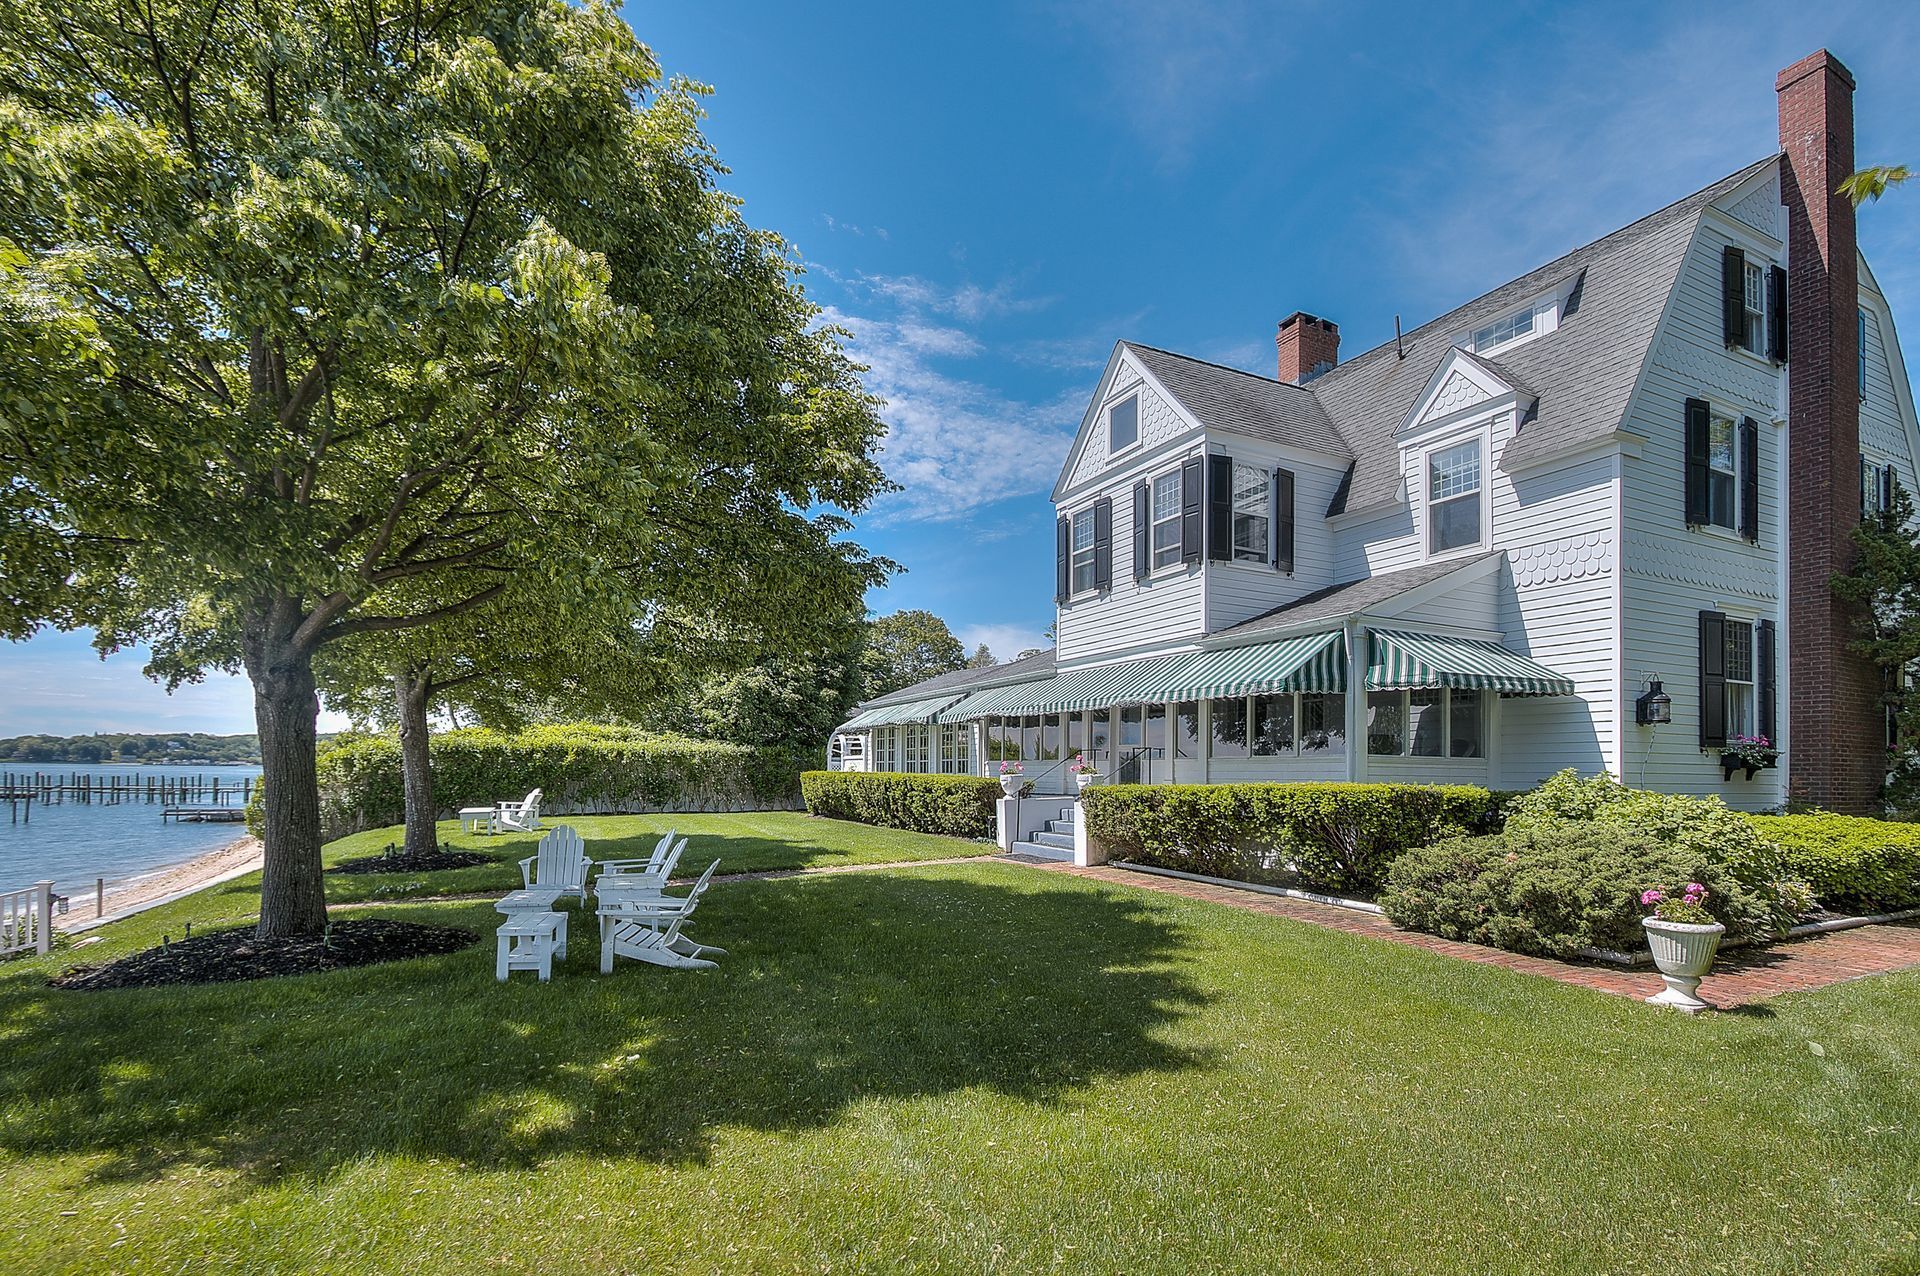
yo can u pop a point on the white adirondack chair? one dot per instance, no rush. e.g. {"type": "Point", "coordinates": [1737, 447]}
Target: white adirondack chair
{"type": "Point", "coordinates": [522, 817]}
{"type": "Point", "coordinates": [646, 927]}
{"type": "Point", "coordinates": [561, 864]}
{"type": "Point", "coordinates": [650, 873]}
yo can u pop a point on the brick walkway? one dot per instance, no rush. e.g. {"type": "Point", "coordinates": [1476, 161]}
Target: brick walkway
{"type": "Point", "coordinates": [1740, 977]}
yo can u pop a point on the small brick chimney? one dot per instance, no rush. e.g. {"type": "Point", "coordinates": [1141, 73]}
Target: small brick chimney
{"type": "Point", "coordinates": [1834, 754]}
{"type": "Point", "coordinates": [1308, 346]}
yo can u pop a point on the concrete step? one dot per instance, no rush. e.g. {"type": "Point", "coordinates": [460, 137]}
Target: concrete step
{"type": "Point", "coordinates": [1034, 850]}
{"type": "Point", "coordinates": [1062, 827]}
{"type": "Point", "coordinates": [1061, 841]}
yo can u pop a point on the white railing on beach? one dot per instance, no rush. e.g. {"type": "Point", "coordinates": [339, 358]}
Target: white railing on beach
{"type": "Point", "coordinates": [26, 920]}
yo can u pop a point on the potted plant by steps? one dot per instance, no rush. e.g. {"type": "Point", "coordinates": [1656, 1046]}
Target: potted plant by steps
{"type": "Point", "coordinates": [1011, 779]}
{"type": "Point", "coordinates": [1085, 773]}
{"type": "Point", "coordinates": [1750, 753]}
{"type": "Point", "coordinates": [1684, 937]}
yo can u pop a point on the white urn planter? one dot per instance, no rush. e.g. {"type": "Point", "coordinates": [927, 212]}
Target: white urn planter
{"type": "Point", "coordinates": [1683, 952]}
{"type": "Point", "coordinates": [1086, 780]}
{"type": "Point", "coordinates": [1012, 784]}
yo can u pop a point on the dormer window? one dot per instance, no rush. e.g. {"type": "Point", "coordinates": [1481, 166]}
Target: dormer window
{"type": "Point", "coordinates": [1123, 424]}
{"type": "Point", "coordinates": [1535, 319]}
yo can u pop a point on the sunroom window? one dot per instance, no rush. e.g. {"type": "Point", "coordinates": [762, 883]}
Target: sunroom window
{"type": "Point", "coordinates": [1252, 512]}
{"type": "Point", "coordinates": [1453, 497]}
{"type": "Point", "coordinates": [1426, 723]}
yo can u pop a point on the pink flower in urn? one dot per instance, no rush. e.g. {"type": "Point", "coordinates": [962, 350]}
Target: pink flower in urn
{"type": "Point", "coordinates": [1650, 897]}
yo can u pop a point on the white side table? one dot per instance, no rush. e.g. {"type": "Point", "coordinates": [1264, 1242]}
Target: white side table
{"type": "Point", "coordinates": [472, 818]}
{"type": "Point", "coordinates": [534, 903]}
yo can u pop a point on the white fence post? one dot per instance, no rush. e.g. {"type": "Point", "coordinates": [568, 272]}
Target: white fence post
{"type": "Point", "coordinates": [43, 927]}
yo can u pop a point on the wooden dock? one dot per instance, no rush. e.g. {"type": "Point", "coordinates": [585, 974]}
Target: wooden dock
{"type": "Point", "coordinates": [204, 814]}
{"type": "Point", "coordinates": [189, 793]}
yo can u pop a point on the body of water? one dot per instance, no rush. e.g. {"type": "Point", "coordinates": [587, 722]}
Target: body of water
{"type": "Point", "coordinates": [74, 842]}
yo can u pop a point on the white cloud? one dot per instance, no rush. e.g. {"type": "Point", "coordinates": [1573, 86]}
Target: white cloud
{"type": "Point", "coordinates": [967, 302]}
{"type": "Point", "coordinates": [935, 340]}
{"type": "Point", "coordinates": [1004, 641]}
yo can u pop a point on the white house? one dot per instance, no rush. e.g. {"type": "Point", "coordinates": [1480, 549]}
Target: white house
{"type": "Point", "coordinates": [1475, 553]}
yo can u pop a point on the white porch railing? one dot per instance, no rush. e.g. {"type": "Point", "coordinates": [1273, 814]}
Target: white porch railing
{"type": "Point", "coordinates": [26, 920]}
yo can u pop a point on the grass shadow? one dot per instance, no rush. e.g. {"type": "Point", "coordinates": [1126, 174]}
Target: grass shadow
{"type": "Point", "coordinates": [839, 990]}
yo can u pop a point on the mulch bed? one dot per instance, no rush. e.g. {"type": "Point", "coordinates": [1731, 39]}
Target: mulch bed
{"type": "Point", "coordinates": [224, 956]}
{"type": "Point", "coordinates": [406, 862]}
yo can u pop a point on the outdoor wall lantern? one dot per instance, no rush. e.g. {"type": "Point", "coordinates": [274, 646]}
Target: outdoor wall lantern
{"type": "Point", "coordinates": [1654, 706]}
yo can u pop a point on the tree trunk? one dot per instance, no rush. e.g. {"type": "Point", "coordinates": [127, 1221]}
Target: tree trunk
{"type": "Point", "coordinates": [286, 709]}
{"type": "Point", "coordinates": [410, 687]}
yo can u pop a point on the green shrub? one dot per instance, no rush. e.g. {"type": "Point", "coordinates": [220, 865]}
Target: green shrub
{"type": "Point", "coordinates": [1557, 887]}
{"type": "Point", "coordinates": [257, 809]}
{"type": "Point", "coordinates": [1701, 829]}
{"type": "Point", "coordinates": [956, 805]}
{"type": "Point", "coordinates": [1336, 836]}
{"type": "Point", "coordinates": [579, 767]}
{"type": "Point", "coordinates": [1854, 864]}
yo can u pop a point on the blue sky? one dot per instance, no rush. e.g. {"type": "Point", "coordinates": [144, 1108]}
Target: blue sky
{"type": "Point", "coordinates": [988, 195]}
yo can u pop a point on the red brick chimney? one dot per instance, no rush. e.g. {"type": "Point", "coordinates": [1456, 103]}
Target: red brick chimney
{"type": "Point", "coordinates": [1308, 346]}
{"type": "Point", "coordinates": [1834, 753]}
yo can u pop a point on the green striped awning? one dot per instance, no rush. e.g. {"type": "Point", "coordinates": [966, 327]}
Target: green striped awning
{"type": "Point", "coordinates": [1403, 661]}
{"type": "Point", "coordinates": [994, 700]}
{"type": "Point", "coordinates": [889, 714]}
{"type": "Point", "coordinates": [1100, 687]}
{"type": "Point", "coordinates": [1305, 662]}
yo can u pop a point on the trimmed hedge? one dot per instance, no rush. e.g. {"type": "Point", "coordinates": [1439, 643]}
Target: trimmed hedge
{"type": "Point", "coordinates": [580, 768]}
{"type": "Point", "coordinates": [1336, 836]}
{"type": "Point", "coordinates": [956, 805]}
{"type": "Point", "coordinates": [1854, 864]}
{"type": "Point", "coordinates": [1554, 888]}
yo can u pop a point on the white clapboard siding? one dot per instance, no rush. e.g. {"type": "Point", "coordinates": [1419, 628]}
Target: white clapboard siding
{"type": "Point", "coordinates": [1241, 591]}
{"type": "Point", "coordinates": [1673, 573]}
{"type": "Point", "coordinates": [1884, 433]}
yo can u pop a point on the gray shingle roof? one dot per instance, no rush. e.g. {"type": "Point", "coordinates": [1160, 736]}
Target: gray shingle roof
{"type": "Point", "coordinates": [1582, 373]}
{"type": "Point", "coordinates": [1228, 399]}
{"type": "Point", "coordinates": [1038, 665]}
{"type": "Point", "coordinates": [1337, 602]}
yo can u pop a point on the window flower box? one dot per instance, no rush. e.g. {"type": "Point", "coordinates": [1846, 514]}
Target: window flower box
{"type": "Point", "coordinates": [1750, 753]}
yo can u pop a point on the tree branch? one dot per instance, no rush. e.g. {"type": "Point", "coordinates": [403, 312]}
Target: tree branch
{"type": "Point", "coordinates": [385, 624]}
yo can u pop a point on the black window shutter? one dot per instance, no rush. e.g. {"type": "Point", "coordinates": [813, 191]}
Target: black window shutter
{"type": "Point", "coordinates": [1750, 479]}
{"type": "Point", "coordinates": [1192, 500]}
{"type": "Point", "coordinates": [1866, 486]}
{"type": "Point", "coordinates": [1886, 487]}
{"type": "Point", "coordinates": [1062, 554]}
{"type": "Point", "coordinates": [1697, 472]}
{"type": "Point", "coordinates": [1713, 680]}
{"type": "Point", "coordinates": [1103, 544]}
{"type": "Point", "coordinates": [1220, 507]}
{"type": "Point", "coordinates": [1283, 521]}
{"type": "Point", "coordinates": [1777, 314]}
{"type": "Point", "coordinates": [1142, 532]}
{"type": "Point", "coordinates": [1767, 676]}
{"type": "Point", "coordinates": [1733, 295]}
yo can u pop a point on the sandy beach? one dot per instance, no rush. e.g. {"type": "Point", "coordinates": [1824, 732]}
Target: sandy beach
{"type": "Point", "coordinates": [134, 894]}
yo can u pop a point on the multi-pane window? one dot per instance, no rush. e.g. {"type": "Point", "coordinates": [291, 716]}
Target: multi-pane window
{"type": "Point", "coordinates": [1427, 723]}
{"type": "Point", "coordinates": [1098, 739]}
{"type": "Point", "coordinates": [1083, 564]}
{"type": "Point", "coordinates": [1739, 667]}
{"type": "Point", "coordinates": [915, 753]}
{"type": "Point", "coordinates": [1503, 330]}
{"type": "Point", "coordinates": [1756, 303]}
{"type": "Point", "coordinates": [1123, 424]}
{"type": "Point", "coordinates": [1166, 519]}
{"type": "Point", "coordinates": [1252, 512]}
{"type": "Point", "coordinates": [955, 749]}
{"type": "Point", "coordinates": [1876, 487]}
{"type": "Point", "coordinates": [1722, 470]}
{"type": "Point", "coordinates": [1453, 497]}
{"type": "Point", "coordinates": [886, 749]}
{"type": "Point", "coordinates": [1271, 725]}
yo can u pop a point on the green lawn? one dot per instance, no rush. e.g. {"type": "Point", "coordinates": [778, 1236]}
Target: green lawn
{"type": "Point", "coordinates": [967, 1068]}
{"type": "Point", "coordinates": [744, 843]}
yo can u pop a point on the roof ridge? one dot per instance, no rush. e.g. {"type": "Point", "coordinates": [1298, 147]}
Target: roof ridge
{"type": "Point", "coordinates": [1208, 363]}
{"type": "Point", "coordinates": [1332, 374]}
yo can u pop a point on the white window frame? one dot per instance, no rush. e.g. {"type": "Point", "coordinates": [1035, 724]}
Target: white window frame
{"type": "Point", "coordinates": [914, 759]}
{"type": "Point", "coordinates": [1246, 713]}
{"type": "Point", "coordinates": [1542, 316]}
{"type": "Point", "coordinates": [1753, 287]}
{"type": "Point", "coordinates": [1446, 726]}
{"type": "Point", "coordinates": [886, 749]}
{"type": "Point", "coordinates": [1082, 556]}
{"type": "Point", "coordinates": [1741, 712]}
{"type": "Point", "coordinates": [1477, 440]}
{"type": "Point", "coordinates": [1169, 554]}
{"type": "Point", "coordinates": [1255, 505]}
{"type": "Point", "coordinates": [1715, 416]}
{"type": "Point", "coordinates": [1132, 396]}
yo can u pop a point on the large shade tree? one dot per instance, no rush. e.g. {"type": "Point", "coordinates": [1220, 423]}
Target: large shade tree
{"type": "Point", "coordinates": [326, 321]}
